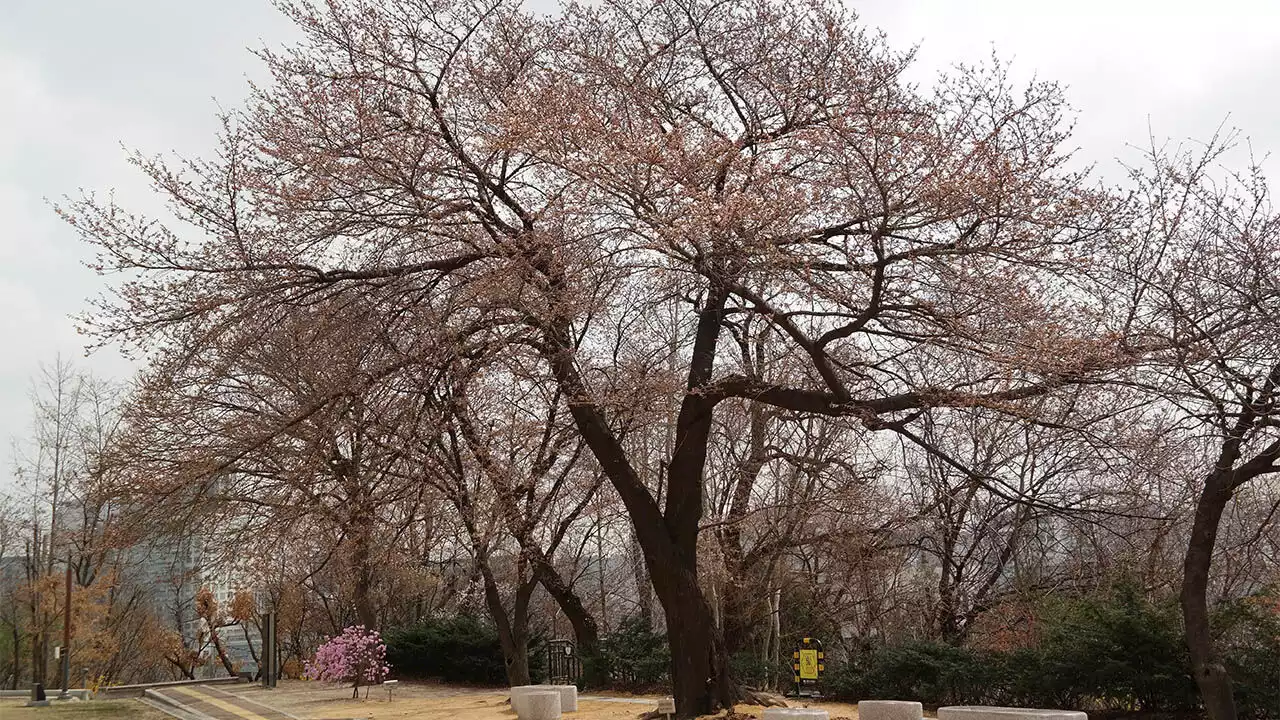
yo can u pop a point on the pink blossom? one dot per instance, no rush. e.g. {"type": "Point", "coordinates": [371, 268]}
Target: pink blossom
{"type": "Point", "coordinates": [357, 656]}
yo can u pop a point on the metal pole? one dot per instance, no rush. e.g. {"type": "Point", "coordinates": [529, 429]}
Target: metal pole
{"type": "Point", "coordinates": [66, 636]}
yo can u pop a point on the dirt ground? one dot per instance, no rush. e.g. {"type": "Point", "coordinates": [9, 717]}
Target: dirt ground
{"type": "Point", "coordinates": [412, 701]}
{"type": "Point", "coordinates": [12, 709]}
{"type": "Point", "coordinates": [421, 701]}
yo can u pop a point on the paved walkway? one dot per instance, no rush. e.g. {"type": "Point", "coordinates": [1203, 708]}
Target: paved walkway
{"type": "Point", "coordinates": [218, 704]}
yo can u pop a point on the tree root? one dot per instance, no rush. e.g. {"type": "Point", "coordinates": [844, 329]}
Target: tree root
{"type": "Point", "coordinates": [751, 696]}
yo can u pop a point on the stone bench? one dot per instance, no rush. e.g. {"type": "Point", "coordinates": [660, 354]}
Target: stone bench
{"type": "Point", "coordinates": [533, 703]}
{"type": "Point", "coordinates": [795, 714]}
{"type": "Point", "coordinates": [889, 710]}
{"type": "Point", "coordinates": [979, 712]}
{"type": "Point", "coordinates": [568, 695]}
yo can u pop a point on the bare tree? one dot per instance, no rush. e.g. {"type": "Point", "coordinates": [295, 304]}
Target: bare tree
{"type": "Point", "coordinates": [1202, 274]}
{"type": "Point", "coordinates": [543, 183]}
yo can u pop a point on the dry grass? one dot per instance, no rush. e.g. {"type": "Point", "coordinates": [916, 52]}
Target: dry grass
{"type": "Point", "coordinates": [11, 709]}
{"type": "Point", "coordinates": [413, 701]}
{"type": "Point", "coordinates": [420, 701]}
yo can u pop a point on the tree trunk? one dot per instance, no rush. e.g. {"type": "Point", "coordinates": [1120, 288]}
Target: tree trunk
{"type": "Point", "coordinates": [1209, 673]}
{"type": "Point", "coordinates": [513, 630]}
{"type": "Point", "coordinates": [222, 651]}
{"type": "Point", "coordinates": [244, 627]}
{"type": "Point", "coordinates": [644, 587]}
{"type": "Point", "coordinates": [700, 680]}
{"type": "Point", "coordinates": [362, 519]}
{"type": "Point", "coordinates": [741, 616]}
{"type": "Point", "coordinates": [363, 603]}
{"type": "Point", "coordinates": [17, 653]}
{"type": "Point", "coordinates": [37, 657]}
{"type": "Point", "coordinates": [742, 605]}
{"type": "Point", "coordinates": [584, 625]}
{"type": "Point", "coordinates": [188, 671]}
{"type": "Point", "coordinates": [700, 676]}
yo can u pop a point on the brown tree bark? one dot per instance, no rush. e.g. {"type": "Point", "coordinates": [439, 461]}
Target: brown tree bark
{"type": "Point", "coordinates": [741, 605]}
{"type": "Point", "coordinates": [253, 652]}
{"type": "Point", "coordinates": [363, 588]}
{"type": "Point", "coordinates": [644, 587]}
{"type": "Point", "coordinates": [585, 629]}
{"type": "Point", "coordinates": [222, 651]}
{"type": "Point", "coordinates": [1227, 476]}
{"type": "Point", "coordinates": [521, 524]}
{"type": "Point", "coordinates": [513, 630]}
{"type": "Point", "coordinates": [16, 639]}
{"type": "Point", "coordinates": [1210, 674]}
{"type": "Point", "coordinates": [700, 677]}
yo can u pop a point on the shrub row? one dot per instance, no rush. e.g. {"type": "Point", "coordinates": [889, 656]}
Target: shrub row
{"type": "Point", "coordinates": [1119, 654]}
{"type": "Point", "coordinates": [463, 649]}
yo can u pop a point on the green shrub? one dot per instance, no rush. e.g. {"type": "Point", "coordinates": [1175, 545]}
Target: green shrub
{"type": "Point", "coordinates": [1121, 651]}
{"type": "Point", "coordinates": [460, 649]}
{"type": "Point", "coordinates": [635, 657]}
{"type": "Point", "coordinates": [1248, 633]}
{"type": "Point", "coordinates": [931, 672]}
{"type": "Point", "coordinates": [754, 671]}
{"type": "Point", "coordinates": [1118, 652]}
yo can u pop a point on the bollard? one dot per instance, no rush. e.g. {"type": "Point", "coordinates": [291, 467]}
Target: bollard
{"type": "Point", "coordinates": [38, 698]}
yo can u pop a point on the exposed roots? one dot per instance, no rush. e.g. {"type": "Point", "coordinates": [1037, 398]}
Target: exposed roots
{"type": "Point", "coordinates": [748, 696]}
{"type": "Point", "coordinates": [760, 697]}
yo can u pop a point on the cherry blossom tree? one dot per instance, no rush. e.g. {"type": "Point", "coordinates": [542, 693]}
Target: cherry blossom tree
{"type": "Point", "coordinates": [1203, 269]}
{"type": "Point", "coordinates": [357, 656]}
{"type": "Point", "coordinates": [491, 183]}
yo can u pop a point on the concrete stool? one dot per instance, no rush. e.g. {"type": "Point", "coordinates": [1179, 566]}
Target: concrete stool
{"type": "Point", "coordinates": [889, 710]}
{"type": "Point", "coordinates": [795, 714]}
{"type": "Point", "coordinates": [979, 712]}
{"type": "Point", "coordinates": [568, 696]}
{"type": "Point", "coordinates": [517, 696]}
{"type": "Point", "coordinates": [543, 705]}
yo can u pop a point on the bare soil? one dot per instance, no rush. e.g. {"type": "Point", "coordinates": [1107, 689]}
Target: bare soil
{"type": "Point", "coordinates": [426, 701]}
{"type": "Point", "coordinates": [12, 709]}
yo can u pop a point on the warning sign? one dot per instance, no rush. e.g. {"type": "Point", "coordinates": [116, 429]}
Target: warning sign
{"type": "Point", "coordinates": [808, 663]}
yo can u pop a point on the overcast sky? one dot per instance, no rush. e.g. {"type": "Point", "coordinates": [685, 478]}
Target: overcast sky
{"type": "Point", "coordinates": [79, 78]}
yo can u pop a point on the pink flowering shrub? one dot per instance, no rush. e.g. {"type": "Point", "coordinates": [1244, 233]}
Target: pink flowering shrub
{"type": "Point", "coordinates": [357, 656]}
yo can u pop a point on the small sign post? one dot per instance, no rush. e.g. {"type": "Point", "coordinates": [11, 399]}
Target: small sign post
{"type": "Point", "coordinates": [807, 662]}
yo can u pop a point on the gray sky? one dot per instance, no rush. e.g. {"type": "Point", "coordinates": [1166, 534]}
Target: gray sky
{"type": "Point", "coordinates": [79, 78]}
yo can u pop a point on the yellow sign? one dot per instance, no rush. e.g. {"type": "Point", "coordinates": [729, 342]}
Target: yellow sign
{"type": "Point", "coordinates": [808, 664]}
